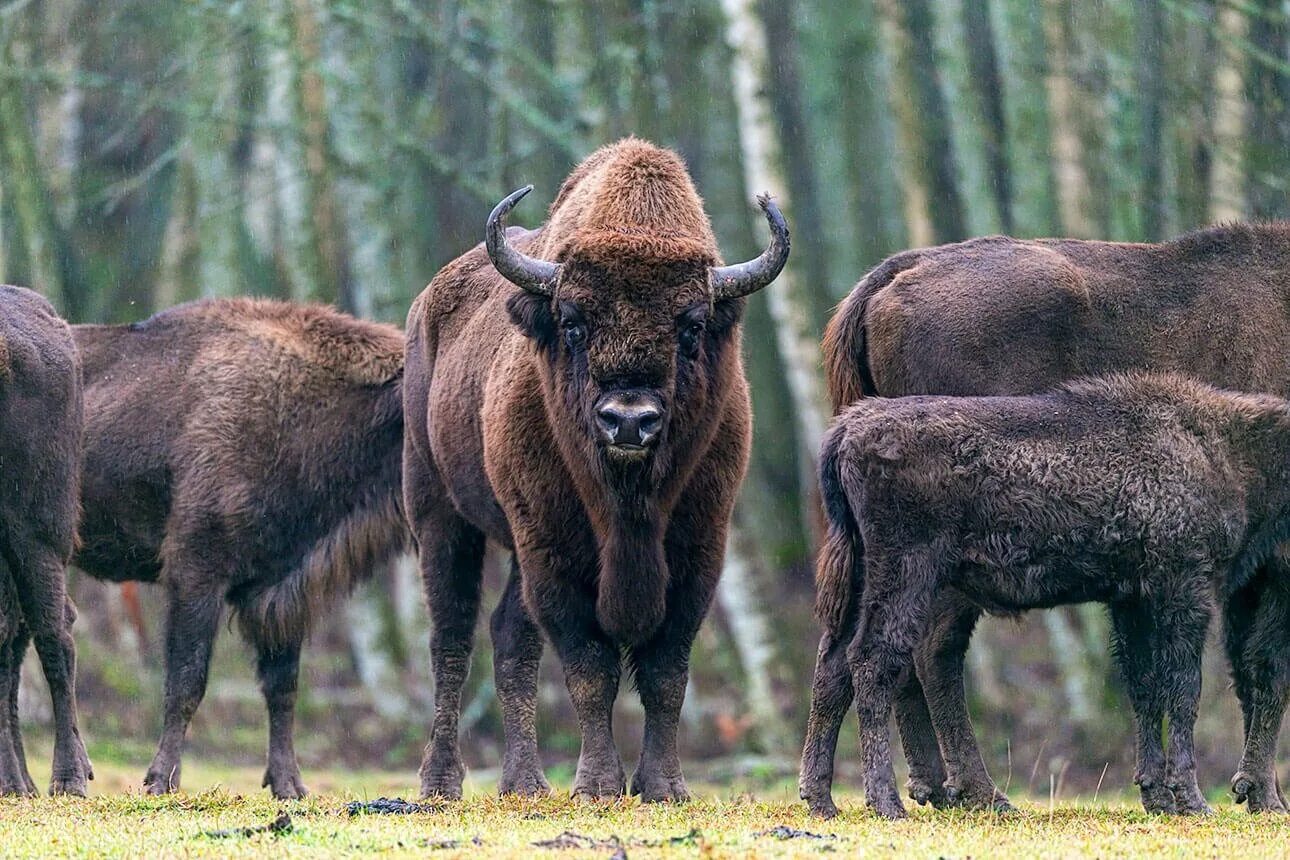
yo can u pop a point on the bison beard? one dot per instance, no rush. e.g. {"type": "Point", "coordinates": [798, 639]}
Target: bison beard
{"type": "Point", "coordinates": [245, 453]}
{"type": "Point", "coordinates": [1005, 316]}
{"type": "Point", "coordinates": [586, 408]}
{"type": "Point", "coordinates": [40, 453]}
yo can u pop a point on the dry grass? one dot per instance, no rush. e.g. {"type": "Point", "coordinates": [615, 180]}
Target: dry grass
{"type": "Point", "coordinates": [118, 822]}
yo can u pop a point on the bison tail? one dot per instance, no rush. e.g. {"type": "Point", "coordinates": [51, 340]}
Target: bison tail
{"type": "Point", "coordinates": [846, 360]}
{"type": "Point", "coordinates": [838, 573]}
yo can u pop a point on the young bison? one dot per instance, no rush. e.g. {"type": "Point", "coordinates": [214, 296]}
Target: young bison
{"type": "Point", "coordinates": [40, 452]}
{"type": "Point", "coordinates": [242, 452]}
{"type": "Point", "coordinates": [587, 408]}
{"type": "Point", "coordinates": [1010, 316]}
{"type": "Point", "coordinates": [1147, 493]}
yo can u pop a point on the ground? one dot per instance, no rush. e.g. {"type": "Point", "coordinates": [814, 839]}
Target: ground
{"type": "Point", "coordinates": [116, 821]}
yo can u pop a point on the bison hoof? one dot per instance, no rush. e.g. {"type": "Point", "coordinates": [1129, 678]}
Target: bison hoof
{"type": "Point", "coordinates": [442, 775]}
{"type": "Point", "coordinates": [17, 788]}
{"type": "Point", "coordinates": [822, 807]}
{"type": "Point", "coordinates": [1254, 792]}
{"type": "Point", "coordinates": [889, 808]}
{"type": "Point", "coordinates": [161, 779]}
{"type": "Point", "coordinates": [660, 789]}
{"type": "Point", "coordinates": [75, 785]}
{"type": "Point", "coordinates": [977, 797]}
{"type": "Point", "coordinates": [923, 793]}
{"type": "Point", "coordinates": [1158, 800]}
{"type": "Point", "coordinates": [285, 784]}
{"type": "Point", "coordinates": [595, 783]}
{"type": "Point", "coordinates": [526, 781]}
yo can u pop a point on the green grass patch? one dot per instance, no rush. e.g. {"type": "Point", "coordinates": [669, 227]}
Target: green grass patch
{"type": "Point", "coordinates": [224, 813]}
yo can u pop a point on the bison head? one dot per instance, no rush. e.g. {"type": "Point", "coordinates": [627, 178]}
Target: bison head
{"type": "Point", "coordinates": [631, 324]}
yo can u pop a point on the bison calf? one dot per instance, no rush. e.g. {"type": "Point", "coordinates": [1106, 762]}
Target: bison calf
{"type": "Point", "coordinates": [40, 452]}
{"type": "Point", "coordinates": [241, 452]}
{"type": "Point", "coordinates": [1149, 493]}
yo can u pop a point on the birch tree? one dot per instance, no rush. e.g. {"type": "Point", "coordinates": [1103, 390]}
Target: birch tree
{"type": "Point", "coordinates": [760, 146]}
{"type": "Point", "coordinates": [1227, 177]}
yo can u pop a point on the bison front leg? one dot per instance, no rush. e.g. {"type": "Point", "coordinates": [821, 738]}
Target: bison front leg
{"type": "Point", "coordinates": [278, 667]}
{"type": "Point", "coordinates": [1131, 627]}
{"type": "Point", "coordinates": [592, 667]}
{"type": "Point", "coordinates": [940, 665]}
{"type": "Point", "coordinates": [1180, 648]}
{"type": "Point", "coordinates": [662, 667]}
{"type": "Point", "coordinates": [192, 619]}
{"type": "Point", "coordinates": [517, 654]}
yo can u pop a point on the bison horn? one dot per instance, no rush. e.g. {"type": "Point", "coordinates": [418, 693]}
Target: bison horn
{"type": "Point", "coordinates": [741, 279]}
{"type": "Point", "coordinates": [536, 276]}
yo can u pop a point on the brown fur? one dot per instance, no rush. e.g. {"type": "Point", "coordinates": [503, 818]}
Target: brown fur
{"type": "Point", "coordinates": [40, 454]}
{"type": "Point", "coordinates": [501, 443]}
{"type": "Point", "coordinates": [248, 452]}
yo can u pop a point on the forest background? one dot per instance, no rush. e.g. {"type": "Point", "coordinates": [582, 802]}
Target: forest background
{"type": "Point", "coordinates": [157, 152]}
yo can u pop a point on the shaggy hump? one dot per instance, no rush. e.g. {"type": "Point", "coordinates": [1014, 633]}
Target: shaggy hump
{"type": "Point", "coordinates": [354, 351]}
{"type": "Point", "coordinates": [629, 198]}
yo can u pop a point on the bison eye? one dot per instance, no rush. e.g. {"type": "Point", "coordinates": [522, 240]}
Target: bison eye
{"type": "Point", "coordinates": [575, 334]}
{"type": "Point", "coordinates": [690, 337]}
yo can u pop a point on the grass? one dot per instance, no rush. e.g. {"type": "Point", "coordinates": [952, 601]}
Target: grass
{"type": "Point", "coordinates": [116, 821]}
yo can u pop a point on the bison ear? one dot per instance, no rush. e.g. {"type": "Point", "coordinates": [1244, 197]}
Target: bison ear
{"type": "Point", "coordinates": [532, 315]}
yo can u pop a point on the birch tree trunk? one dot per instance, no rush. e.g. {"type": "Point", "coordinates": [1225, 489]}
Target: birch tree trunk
{"type": "Point", "coordinates": [296, 111]}
{"type": "Point", "coordinates": [760, 147]}
{"type": "Point", "coordinates": [753, 636]}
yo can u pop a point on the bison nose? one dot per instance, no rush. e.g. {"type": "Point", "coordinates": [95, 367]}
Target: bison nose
{"type": "Point", "coordinates": [628, 422]}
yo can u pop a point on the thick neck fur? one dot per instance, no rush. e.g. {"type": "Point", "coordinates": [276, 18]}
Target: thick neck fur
{"type": "Point", "coordinates": [629, 503]}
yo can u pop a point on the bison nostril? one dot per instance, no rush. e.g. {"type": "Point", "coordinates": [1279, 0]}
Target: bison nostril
{"type": "Point", "coordinates": [648, 423]}
{"type": "Point", "coordinates": [608, 421]}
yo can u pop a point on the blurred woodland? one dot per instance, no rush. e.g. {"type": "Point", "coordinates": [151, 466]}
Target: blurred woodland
{"type": "Point", "coordinates": [342, 151]}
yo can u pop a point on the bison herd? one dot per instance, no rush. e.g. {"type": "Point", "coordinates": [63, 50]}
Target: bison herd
{"type": "Point", "coordinates": [1020, 424]}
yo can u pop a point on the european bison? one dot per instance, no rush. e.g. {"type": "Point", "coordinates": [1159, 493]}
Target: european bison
{"type": "Point", "coordinates": [585, 407]}
{"type": "Point", "coordinates": [1147, 493]}
{"type": "Point", "coordinates": [242, 452]}
{"type": "Point", "coordinates": [1006, 316]}
{"type": "Point", "coordinates": [40, 452]}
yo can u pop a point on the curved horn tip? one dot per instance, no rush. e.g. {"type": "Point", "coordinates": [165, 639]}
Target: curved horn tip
{"type": "Point", "coordinates": [533, 275]}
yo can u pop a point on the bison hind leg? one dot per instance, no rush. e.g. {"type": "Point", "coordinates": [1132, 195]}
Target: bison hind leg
{"type": "Point", "coordinates": [517, 654]}
{"type": "Point", "coordinates": [14, 778]}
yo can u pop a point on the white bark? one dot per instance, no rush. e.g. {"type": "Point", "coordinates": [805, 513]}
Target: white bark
{"type": "Point", "coordinates": [1070, 656]}
{"type": "Point", "coordinates": [754, 640]}
{"type": "Point", "coordinates": [759, 142]}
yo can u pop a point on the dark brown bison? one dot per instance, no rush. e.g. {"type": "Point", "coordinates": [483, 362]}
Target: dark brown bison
{"type": "Point", "coordinates": [1147, 493]}
{"type": "Point", "coordinates": [40, 452]}
{"type": "Point", "coordinates": [576, 394]}
{"type": "Point", "coordinates": [242, 452]}
{"type": "Point", "coordinates": [1004, 316]}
